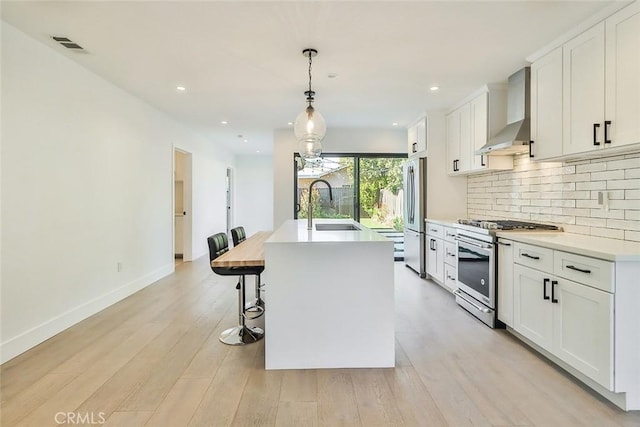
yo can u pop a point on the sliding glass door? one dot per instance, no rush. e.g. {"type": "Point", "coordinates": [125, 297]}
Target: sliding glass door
{"type": "Point", "coordinates": [380, 192]}
{"type": "Point", "coordinates": [339, 173]}
{"type": "Point", "coordinates": [365, 187]}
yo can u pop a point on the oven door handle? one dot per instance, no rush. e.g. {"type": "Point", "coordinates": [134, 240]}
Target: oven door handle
{"type": "Point", "coordinates": [472, 243]}
{"type": "Point", "coordinates": [461, 295]}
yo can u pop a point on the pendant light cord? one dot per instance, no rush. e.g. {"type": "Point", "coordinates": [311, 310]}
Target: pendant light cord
{"type": "Point", "coordinates": [310, 98]}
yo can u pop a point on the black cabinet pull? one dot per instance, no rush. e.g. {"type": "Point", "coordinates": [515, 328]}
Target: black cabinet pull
{"type": "Point", "coordinates": [553, 291]}
{"type": "Point", "coordinates": [544, 288]}
{"type": "Point", "coordinates": [482, 163]}
{"type": "Point", "coordinates": [530, 256]}
{"type": "Point", "coordinates": [432, 244]}
{"type": "Point", "coordinates": [607, 123]}
{"type": "Point", "coordinates": [530, 149]}
{"type": "Point", "coordinates": [595, 133]}
{"type": "Point", "coordinates": [414, 147]}
{"type": "Point", "coordinates": [503, 243]}
{"type": "Point", "coordinates": [573, 267]}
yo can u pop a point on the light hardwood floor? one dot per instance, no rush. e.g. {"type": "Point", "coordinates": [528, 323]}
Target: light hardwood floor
{"type": "Point", "coordinates": [155, 359]}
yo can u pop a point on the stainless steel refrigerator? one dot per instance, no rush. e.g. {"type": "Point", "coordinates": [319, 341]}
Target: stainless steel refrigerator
{"type": "Point", "coordinates": [415, 179]}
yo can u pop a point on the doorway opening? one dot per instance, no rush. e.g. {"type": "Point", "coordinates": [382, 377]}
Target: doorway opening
{"type": "Point", "coordinates": [229, 189]}
{"type": "Point", "coordinates": [182, 196]}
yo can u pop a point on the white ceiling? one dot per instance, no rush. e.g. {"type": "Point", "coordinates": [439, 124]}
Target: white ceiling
{"type": "Point", "coordinates": [242, 62]}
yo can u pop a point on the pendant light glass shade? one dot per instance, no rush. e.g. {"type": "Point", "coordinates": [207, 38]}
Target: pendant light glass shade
{"type": "Point", "coordinates": [310, 128]}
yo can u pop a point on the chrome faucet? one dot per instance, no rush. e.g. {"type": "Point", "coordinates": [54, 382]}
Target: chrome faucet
{"type": "Point", "coordinates": [310, 210]}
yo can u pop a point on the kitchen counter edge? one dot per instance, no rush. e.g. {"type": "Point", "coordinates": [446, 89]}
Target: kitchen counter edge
{"type": "Point", "coordinates": [581, 244]}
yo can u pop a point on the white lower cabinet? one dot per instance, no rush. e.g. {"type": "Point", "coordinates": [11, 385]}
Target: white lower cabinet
{"type": "Point", "coordinates": [571, 320]}
{"type": "Point", "coordinates": [435, 258]}
{"type": "Point", "coordinates": [451, 265]}
{"type": "Point", "coordinates": [583, 329]}
{"type": "Point", "coordinates": [532, 310]}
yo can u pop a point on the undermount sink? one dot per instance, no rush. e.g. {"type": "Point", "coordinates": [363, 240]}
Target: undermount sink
{"type": "Point", "coordinates": [336, 227]}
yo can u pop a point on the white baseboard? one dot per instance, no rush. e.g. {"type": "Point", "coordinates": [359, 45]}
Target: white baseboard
{"type": "Point", "coordinates": [38, 334]}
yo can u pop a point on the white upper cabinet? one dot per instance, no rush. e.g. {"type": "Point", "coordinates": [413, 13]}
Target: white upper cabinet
{"type": "Point", "coordinates": [622, 38]}
{"type": "Point", "coordinates": [453, 141]}
{"type": "Point", "coordinates": [546, 106]}
{"type": "Point", "coordinates": [585, 95]}
{"type": "Point", "coordinates": [417, 138]}
{"type": "Point", "coordinates": [583, 92]}
{"type": "Point", "coordinates": [469, 128]}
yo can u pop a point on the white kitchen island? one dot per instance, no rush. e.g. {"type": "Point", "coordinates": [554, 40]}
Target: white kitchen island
{"type": "Point", "coordinates": [330, 297]}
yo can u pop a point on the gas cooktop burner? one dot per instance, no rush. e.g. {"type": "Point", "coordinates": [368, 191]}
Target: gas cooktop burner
{"type": "Point", "coordinates": [506, 224]}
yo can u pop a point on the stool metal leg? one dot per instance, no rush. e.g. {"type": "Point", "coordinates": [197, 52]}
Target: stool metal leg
{"type": "Point", "coordinates": [256, 307]}
{"type": "Point", "coordinates": [241, 334]}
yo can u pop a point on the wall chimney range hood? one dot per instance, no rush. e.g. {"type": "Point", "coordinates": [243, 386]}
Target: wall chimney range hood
{"type": "Point", "coordinates": [514, 137]}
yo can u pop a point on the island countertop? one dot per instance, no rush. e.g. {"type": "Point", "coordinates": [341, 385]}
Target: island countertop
{"type": "Point", "coordinates": [295, 231]}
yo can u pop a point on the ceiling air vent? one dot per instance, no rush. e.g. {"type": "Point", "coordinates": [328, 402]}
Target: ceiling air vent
{"type": "Point", "coordinates": [66, 42]}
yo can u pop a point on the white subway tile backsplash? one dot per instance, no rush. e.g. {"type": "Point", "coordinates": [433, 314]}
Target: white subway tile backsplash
{"type": "Point", "coordinates": [632, 235]}
{"type": "Point", "coordinates": [625, 204]}
{"type": "Point", "coordinates": [630, 184]}
{"type": "Point", "coordinates": [563, 203]}
{"type": "Point", "coordinates": [623, 225]}
{"type": "Point", "coordinates": [632, 173]}
{"type": "Point", "coordinates": [591, 185]}
{"type": "Point", "coordinates": [607, 213]}
{"type": "Point", "coordinates": [579, 177]}
{"type": "Point", "coordinates": [632, 194]}
{"type": "Point", "coordinates": [591, 167]}
{"type": "Point", "coordinates": [591, 222]}
{"type": "Point", "coordinates": [607, 232]}
{"type": "Point", "coordinates": [564, 193]}
{"type": "Point", "coordinates": [623, 164]}
{"type": "Point", "coordinates": [632, 215]}
{"type": "Point", "coordinates": [607, 175]}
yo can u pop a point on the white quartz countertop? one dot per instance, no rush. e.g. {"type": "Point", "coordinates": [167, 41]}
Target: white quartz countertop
{"type": "Point", "coordinates": [596, 247]}
{"type": "Point", "coordinates": [295, 231]}
{"type": "Point", "coordinates": [448, 222]}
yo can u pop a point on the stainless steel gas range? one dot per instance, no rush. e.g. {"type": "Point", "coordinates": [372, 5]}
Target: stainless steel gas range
{"type": "Point", "coordinates": [478, 264]}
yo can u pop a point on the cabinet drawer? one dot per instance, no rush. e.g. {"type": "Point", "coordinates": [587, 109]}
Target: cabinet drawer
{"type": "Point", "coordinates": [450, 277]}
{"type": "Point", "coordinates": [451, 254]}
{"type": "Point", "coordinates": [589, 271]}
{"type": "Point", "coordinates": [450, 234]}
{"type": "Point", "coordinates": [435, 230]}
{"type": "Point", "coordinates": [534, 256]}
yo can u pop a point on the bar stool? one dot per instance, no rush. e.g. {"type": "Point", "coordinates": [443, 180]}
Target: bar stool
{"type": "Point", "coordinates": [238, 236]}
{"type": "Point", "coordinates": [241, 334]}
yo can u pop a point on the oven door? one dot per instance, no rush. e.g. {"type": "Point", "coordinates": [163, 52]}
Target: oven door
{"type": "Point", "coordinates": [476, 269]}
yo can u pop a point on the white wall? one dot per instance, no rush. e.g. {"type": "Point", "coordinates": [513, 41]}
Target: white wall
{"type": "Point", "coordinates": [337, 141]}
{"type": "Point", "coordinates": [254, 193]}
{"type": "Point", "coordinates": [87, 177]}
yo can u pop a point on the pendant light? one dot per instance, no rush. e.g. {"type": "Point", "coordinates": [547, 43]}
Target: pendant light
{"type": "Point", "coordinates": [310, 127]}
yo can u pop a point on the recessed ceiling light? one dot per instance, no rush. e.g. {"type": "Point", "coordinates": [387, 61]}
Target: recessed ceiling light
{"type": "Point", "coordinates": [257, 151]}
{"type": "Point", "coordinates": [245, 140]}
{"type": "Point", "coordinates": [181, 88]}
{"type": "Point", "coordinates": [290, 123]}
{"type": "Point", "coordinates": [224, 122]}
{"type": "Point", "coordinates": [395, 123]}
{"type": "Point", "coordinates": [434, 88]}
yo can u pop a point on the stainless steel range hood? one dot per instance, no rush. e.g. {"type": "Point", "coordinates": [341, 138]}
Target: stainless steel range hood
{"type": "Point", "coordinates": [514, 137]}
